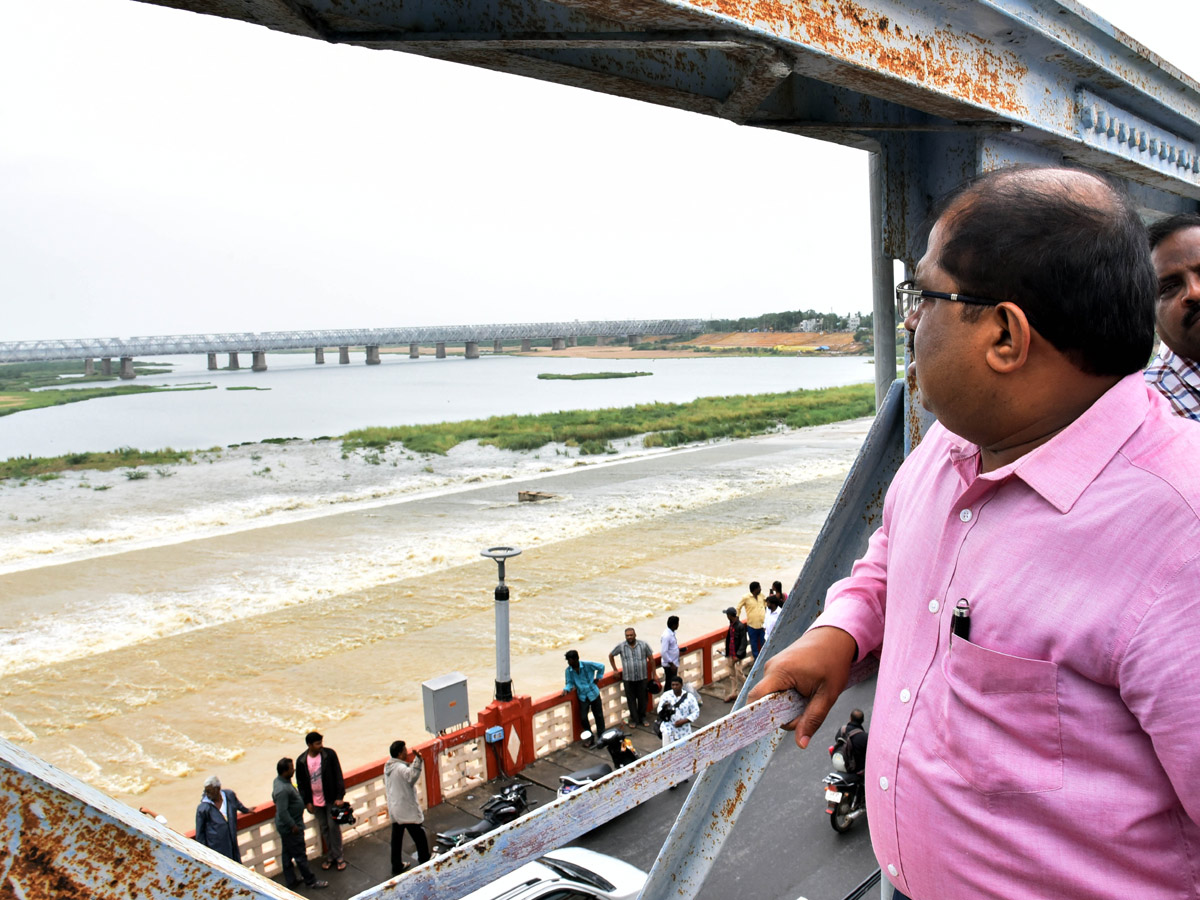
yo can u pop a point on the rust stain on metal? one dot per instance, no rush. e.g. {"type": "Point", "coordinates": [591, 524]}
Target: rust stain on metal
{"type": "Point", "coordinates": [65, 850]}
{"type": "Point", "coordinates": [956, 63]}
{"type": "Point", "coordinates": [729, 807]}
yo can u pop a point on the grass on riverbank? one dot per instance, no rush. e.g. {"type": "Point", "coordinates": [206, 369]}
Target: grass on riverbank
{"type": "Point", "coordinates": [48, 467]}
{"type": "Point", "coordinates": [664, 424]}
{"type": "Point", "coordinates": [590, 376]}
{"type": "Point", "coordinates": [19, 383]}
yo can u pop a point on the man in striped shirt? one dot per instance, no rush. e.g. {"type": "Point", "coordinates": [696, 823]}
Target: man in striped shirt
{"type": "Point", "coordinates": [1175, 371]}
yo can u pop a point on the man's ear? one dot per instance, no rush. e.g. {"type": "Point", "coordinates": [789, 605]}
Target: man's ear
{"type": "Point", "coordinates": [1010, 339]}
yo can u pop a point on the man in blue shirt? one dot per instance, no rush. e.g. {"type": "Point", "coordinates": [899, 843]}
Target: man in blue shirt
{"type": "Point", "coordinates": [581, 677]}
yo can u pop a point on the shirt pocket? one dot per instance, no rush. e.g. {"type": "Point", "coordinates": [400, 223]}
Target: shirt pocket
{"type": "Point", "coordinates": [999, 720]}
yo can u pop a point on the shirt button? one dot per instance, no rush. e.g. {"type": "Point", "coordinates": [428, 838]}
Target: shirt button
{"type": "Point", "coordinates": [905, 696]}
{"type": "Point", "coordinates": [934, 606]}
{"type": "Point", "coordinates": [892, 870]}
{"type": "Point", "coordinates": [883, 783]}
{"type": "Point", "coordinates": [965, 515]}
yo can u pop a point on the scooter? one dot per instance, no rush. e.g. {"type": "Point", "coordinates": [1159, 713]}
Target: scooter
{"type": "Point", "coordinates": [845, 801]}
{"type": "Point", "coordinates": [620, 750]}
{"type": "Point", "coordinates": [505, 806]}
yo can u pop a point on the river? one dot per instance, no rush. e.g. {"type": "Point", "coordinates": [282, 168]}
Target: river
{"type": "Point", "coordinates": [202, 619]}
{"type": "Point", "coordinates": [296, 398]}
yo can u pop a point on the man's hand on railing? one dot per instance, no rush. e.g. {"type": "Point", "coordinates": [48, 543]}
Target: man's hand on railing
{"type": "Point", "coordinates": [818, 667]}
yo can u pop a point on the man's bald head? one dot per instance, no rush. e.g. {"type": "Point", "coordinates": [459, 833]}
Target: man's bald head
{"type": "Point", "coordinates": [1065, 245]}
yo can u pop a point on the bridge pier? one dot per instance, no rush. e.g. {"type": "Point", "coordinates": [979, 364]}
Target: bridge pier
{"type": "Point", "coordinates": [414, 350]}
{"type": "Point", "coordinates": [572, 341]}
{"type": "Point", "coordinates": [89, 366]}
{"type": "Point", "coordinates": [260, 361]}
{"type": "Point", "coordinates": [127, 367]}
{"type": "Point", "coordinates": [319, 356]}
{"type": "Point", "coordinates": [601, 341]}
{"type": "Point", "coordinates": [440, 350]}
{"type": "Point", "coordinates": [343, 356]}
{"type": "Point", "coordinates": [497, 346]}
{"type": "Point", "coordinates": [526, 345]}
{"type": "Point", "coordinates": [471, 350]}
{"type": "Point", "coordinates": [634, 339]}
{"type": "Point", "coordinates": [106, 365]}
{"type": "Point", "coordinates": [372, 354]}
{"type": "Point", "coordinates": [558, 344]}
{"type": "Point", "coordinates": [212, 362]}
{"type": "Point", "coordinates": [233, 362]}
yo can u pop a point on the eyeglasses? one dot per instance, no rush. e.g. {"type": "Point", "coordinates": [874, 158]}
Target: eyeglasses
{"type": "Point", "coordinates": [908, 298]}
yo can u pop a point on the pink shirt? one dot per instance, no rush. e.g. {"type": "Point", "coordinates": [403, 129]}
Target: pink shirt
{"type": "Point", "coordinates": [314, 779]}
{"type": "Point", "coordinates": [1057, 752]}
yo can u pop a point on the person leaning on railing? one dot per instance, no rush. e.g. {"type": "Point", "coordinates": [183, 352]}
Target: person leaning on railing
{"type": "Point", "coordinates": [1048, 745]}
{"type": "Point", "coordinates": [581, 677]}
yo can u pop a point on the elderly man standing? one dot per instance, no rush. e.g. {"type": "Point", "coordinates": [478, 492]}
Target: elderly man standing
{"type": "Point", "coordinates": [1050, 747]}
{"type": "Point", "coordinates": [216, 819]}
{"type": "Point", "coordinates": [1175, 371]}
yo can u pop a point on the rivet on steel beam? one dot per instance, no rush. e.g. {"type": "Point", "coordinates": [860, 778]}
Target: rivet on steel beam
{"type": "Point", "coordinates": [1162, 150]}
{"type": "Point", "coordinates": [1154, 144]}
{"type": "Point", "coordinates": [1101, 120]}
{"type": "Point", "coordinates": [1087, 116]}
{"type": "Point", "coordinates": [1143, 142]}
{"type": "Point", "coordinates": [1173, 155]}
{"type": "Point", "coordinates": [1122, 133]}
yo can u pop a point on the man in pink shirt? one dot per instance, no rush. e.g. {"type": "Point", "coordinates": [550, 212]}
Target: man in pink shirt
{"type": "Point", "coordinates": [1051, 748]}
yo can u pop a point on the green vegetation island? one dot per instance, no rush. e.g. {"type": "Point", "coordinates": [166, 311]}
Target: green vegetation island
{"type": "Point", "coordinates": [592, 431]}
{"type": "Point", "coordinates": [30, 385]}
{"type": "Point", "coordinates": [591, 376]}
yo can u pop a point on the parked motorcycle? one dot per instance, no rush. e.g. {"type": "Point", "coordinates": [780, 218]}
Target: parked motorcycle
{"type": "Point", "coordinates": [511, 803]}
{"type": "Point", "coordinates": [845, 800]}
{"type": "Point", "coordinates": [620, 750]}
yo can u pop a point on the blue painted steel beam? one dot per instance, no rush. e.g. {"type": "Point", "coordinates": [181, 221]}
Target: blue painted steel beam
{"type": "Point", "coordinates": [691, 848]}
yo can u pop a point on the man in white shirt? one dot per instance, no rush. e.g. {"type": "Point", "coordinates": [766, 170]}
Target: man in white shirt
{"type": "Point", "coordinates": [669, 647]}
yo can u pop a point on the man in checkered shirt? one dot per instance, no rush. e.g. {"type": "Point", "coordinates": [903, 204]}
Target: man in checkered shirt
{"type": "Point", "coordinates": [1175, 371]}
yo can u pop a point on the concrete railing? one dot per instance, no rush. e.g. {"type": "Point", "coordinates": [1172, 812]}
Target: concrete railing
{"type": "Point", "coordinates": [461, 760]}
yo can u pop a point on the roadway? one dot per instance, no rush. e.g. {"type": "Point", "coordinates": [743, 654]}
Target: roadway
{"type": "Point", "coordinates": [782, 847]}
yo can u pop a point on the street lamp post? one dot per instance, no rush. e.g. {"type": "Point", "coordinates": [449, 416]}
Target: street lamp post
{"type": "Point", "coordinates": [504, 691]}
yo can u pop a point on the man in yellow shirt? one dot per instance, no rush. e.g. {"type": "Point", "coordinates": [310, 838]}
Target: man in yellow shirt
{"type": "Point", "coordinates": [756, 612]}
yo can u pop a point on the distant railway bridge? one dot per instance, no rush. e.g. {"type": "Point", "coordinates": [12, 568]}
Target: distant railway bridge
{"type": "Point", "coordinates": [258, 344]}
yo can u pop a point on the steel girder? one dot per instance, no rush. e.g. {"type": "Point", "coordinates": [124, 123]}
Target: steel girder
{"type": "Point", "coordinates": [177, 344]}
{"type": "Point", "coordinates": [844, 70]}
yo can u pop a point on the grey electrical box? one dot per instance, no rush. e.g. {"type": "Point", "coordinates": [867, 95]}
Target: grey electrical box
{"type": "Point", "coordinates": [445, 699]}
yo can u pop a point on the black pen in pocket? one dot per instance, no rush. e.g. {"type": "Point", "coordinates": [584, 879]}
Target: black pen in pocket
{"type": "Point", "coordinates": [960, 621]}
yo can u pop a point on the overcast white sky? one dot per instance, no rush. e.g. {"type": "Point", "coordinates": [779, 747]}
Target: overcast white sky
{"type": "Point", "coordinates": [163, 172]}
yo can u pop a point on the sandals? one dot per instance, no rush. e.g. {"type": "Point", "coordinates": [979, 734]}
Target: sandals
{"type": "Point", "coordinates": [329, 864]}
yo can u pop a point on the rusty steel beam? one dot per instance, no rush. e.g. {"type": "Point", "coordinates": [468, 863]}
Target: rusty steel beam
{"type": "Point", "coordinates": [1076, 85]}
{"type": "Point", "coordinates": [486, 858]}
{"type": "Point", "coordinates": [62, 838]}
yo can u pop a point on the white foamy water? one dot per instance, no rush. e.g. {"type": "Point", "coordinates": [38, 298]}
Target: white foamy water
{"type": "Point", "coordinates": [118, 619]}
